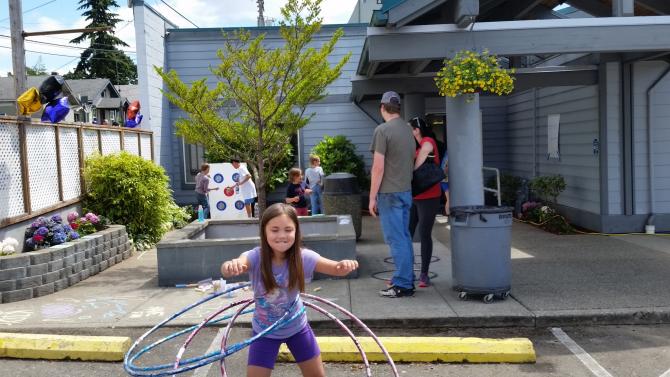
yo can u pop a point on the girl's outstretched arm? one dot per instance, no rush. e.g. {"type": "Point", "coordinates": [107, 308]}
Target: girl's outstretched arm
{"type": "Point", "coordinates": [235, 267]}
{"type": "Point", "coordinates": [331, 267]}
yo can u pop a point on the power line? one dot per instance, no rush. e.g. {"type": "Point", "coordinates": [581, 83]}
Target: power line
{"type": "Point", "coordinates": [54, 54]}
{"type": "Point", "coordinates": [75, 47]}
{"type": "Point", "coordinates": [182, 16]}
{"type": "Point", "coordinates": [31, 9]}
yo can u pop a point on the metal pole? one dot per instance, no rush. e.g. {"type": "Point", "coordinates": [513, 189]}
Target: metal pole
{"type": "Point", "coordinates": [18, 49]}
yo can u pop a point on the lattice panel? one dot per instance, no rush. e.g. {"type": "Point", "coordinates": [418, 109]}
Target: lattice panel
{"type": "Point", "coordinates": [111, 142]}
{"type": "Point", "coordinates": [130, 144]}
{"type": "Point", "coordinates": [146, 146]}
{"type": "Point", "coordinates": [90, 140]}
{"type": "Point", "coordinates": [42, 166]}
{"type": "Point", "coordinates": [11, 189]}
{"type": "Point", "coordinates": [69, 163]}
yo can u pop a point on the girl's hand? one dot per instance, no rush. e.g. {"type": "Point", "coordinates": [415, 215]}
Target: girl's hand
{"type": "Point", "coordinates": [233, 268]}
{"type": "Point", "coordinates": [308, 191]}
{"type": "Point", "coordinates": [346, 266]}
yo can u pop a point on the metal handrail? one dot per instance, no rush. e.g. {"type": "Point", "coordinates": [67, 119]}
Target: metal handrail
{"type": "Point", "coordinates": [496, 192]}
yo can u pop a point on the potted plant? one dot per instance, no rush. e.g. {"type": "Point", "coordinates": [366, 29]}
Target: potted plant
{"type": "Point", "coordinates": [472, 72]}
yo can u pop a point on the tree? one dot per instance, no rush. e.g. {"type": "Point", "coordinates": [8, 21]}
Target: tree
{"type": "Point", "coordinates": [261, 97]}
{"type": "Point", "coordinates": [102, 59]}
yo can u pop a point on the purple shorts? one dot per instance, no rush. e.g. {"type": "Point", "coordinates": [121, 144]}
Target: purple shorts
{"type": "Point", "coordinates": [445, 186]}
{"type": "Point", "coordinates": [303, 346]}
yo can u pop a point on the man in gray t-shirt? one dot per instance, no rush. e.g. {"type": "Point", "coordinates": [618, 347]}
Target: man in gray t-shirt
{"type": "Point", "coordinates": [391, 191]}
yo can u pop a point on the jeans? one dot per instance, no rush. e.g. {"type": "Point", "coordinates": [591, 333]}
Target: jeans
{"type": "Point", "coordinates": [202, 200]}
{"type": "Point", "coordinates": [315, 199]}
{"type": "Point", "coordinates": [393, 211]}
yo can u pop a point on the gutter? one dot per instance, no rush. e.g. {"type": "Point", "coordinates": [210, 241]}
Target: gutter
{"type": "Point", "coordinates": [650, 226]}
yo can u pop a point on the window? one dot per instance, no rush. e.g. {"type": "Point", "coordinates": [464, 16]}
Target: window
{"type": "Point", "coordinates": [194, 156]}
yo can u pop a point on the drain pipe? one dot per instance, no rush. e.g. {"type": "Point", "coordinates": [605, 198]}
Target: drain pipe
{"type": "Point", "coordinates": [650, 228]}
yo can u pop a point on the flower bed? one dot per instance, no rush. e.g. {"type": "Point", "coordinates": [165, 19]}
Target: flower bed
{"type": "Point", "coordinates": [44, 271]}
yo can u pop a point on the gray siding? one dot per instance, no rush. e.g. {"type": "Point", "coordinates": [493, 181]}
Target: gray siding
{"type": "Point", "coordinates": [644, 75]}
{"type": "Point", "coordinates": [527, 140]}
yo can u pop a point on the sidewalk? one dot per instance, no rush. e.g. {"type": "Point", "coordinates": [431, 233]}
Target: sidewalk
{"type": "Point", "coordinates": [556, 281]}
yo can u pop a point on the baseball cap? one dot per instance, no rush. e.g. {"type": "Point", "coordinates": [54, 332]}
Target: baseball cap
{"type": "Point", "coordinates": [391, 98]}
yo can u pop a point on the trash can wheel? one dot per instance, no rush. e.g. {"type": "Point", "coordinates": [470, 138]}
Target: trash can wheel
{"type": "Point", "coordinates": [505, 295]}
{"type": "Point", "coordinates": [462, 296]}
{"type": "Point", "coordinates": [488, 298]}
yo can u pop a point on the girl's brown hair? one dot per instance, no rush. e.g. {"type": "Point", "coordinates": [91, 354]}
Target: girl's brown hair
{"type": "Point", "coordinates": [294, 172]}
{"type": "Point", "coordinates": [296, 275]}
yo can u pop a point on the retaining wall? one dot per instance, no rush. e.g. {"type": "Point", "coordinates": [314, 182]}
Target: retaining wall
{"type": "Point", "coordinates": [45, 271]}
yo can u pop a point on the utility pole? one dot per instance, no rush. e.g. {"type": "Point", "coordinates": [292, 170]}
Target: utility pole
{"type": "Point", "coordinates": [18, 49]}
{"type": "Point", "coordinates": [261, 8]}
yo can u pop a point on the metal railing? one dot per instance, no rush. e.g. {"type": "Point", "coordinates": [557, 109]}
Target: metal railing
{"type": "Point", "coordinates": [495, 191]}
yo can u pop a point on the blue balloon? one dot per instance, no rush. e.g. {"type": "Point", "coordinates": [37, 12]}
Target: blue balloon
{"type": "Point", "coordinates": [56, 110]}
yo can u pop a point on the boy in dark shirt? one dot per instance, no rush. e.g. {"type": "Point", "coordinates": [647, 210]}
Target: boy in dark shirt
{"type": "Point", "coordinates": [296, 191]}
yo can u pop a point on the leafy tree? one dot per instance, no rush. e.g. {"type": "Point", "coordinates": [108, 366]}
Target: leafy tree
{"type": "Point", "coordinates": [261, 97]}
{"type": "Point", "coordinates": [102, 59]}
{"type": "Point", "coordinates": [39, 69]}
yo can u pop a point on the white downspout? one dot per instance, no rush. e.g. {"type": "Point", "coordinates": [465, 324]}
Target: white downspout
{"type": "Point", "coordinates": [650, 227]}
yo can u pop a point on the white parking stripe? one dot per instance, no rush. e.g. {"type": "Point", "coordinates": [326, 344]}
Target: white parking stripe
{"type": "Point", "coordinates": [578, 351]}
{"type": "Point", "coordinates": [216, 345]}
{"type": "Point", "coordinates": [666, 374]}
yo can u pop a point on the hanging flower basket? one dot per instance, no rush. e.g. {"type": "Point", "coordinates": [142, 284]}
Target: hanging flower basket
{"type": "Point", "coordinates": [472, 72]}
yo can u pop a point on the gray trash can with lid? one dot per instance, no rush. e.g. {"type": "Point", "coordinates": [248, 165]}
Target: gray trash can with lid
{"type": "Point", "coordinates": [481, 251]}
{"type": "Point", "coordinates": [341, 196]}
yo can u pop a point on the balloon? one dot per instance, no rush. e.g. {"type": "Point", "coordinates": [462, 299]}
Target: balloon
{"type": "Point", "coordinates": [29, 101]}
{"type": "Point", "coordinates": [51, 88]}
{"type": "Point", "coordinates": [56, 110]}
{"type": "Point", "coordinates": [133, 116]}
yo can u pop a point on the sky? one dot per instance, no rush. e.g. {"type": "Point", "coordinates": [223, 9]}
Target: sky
{"type": "Point", "coordinates": [63, 14]}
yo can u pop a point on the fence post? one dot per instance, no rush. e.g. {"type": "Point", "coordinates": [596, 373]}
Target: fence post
{"type": "Point", "coordinates": [99, 142]}
{"type": "Point", "coordinates": [22, 123]}
{"type": "Point", "coordinates": [59, 168]}
{"type": "Point", "coordinates": [80, 144]}
{"type": "Point", "coordinates": [139, 144]}
{"type": "Point", "coordinates": [151, 141]}
{"type": "Point", "coordinates": [123, 145]}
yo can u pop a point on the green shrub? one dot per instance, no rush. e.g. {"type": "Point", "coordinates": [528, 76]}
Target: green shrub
{"type": "Point", "coordinates": [509, 185]}
{"type": "Point", "coordinates": [132, 191]}
{"type": "Point", "coordinates": [548, 187]}
{"type": "Point", "coordinates": [338, 154]}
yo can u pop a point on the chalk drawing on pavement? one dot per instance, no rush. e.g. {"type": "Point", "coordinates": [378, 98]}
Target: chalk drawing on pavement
{"type": "Point", "coordinates": [14, 317]}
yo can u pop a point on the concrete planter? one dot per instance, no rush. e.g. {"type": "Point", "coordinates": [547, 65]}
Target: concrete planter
{"type": "Point", "coordinates": [45, 271]}
{"type": "Point", "coordinates": [196, 251]}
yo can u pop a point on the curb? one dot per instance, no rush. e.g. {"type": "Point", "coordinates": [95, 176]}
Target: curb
{"type": "Point", "coordinates": [425, 349]}
{"type": "Point", "coordinates": [57, 347]}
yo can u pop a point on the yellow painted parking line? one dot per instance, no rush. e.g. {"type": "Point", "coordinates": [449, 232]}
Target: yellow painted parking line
{"type": "Point", "coordinates": [55, 347]}
{"type": "Point", "coordinates": [426, 349]}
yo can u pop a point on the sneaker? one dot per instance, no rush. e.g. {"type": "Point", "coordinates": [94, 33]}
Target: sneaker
{"type": "Point", "coordinates": [394, 292]}
{"type": "Point", "coordinates": [424, 280]}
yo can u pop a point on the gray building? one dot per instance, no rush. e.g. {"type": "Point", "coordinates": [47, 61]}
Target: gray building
{"type": "Point", "coordinates": [601, 67]}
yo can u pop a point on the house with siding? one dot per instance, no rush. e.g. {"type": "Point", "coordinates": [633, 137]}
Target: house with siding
{"type": "Point", "coordinates": [8, 96]}
{"type": "Point", "coordinates": [598, 66]}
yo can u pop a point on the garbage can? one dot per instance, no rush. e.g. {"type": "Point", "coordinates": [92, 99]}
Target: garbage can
{"type": "Point", "coordinates": [341, 196]}
{"type": "Point", "coordinates": [481, 251]}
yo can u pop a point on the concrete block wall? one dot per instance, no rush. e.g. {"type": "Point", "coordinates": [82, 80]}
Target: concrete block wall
{"type": "Point", "coordinates": [45, 271]}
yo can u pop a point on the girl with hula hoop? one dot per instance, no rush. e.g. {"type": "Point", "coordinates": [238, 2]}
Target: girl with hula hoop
{"type": "Point", "coordinates": [278, 270]}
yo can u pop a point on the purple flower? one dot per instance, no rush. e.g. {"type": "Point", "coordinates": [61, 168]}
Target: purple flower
{"type": "Point", "coordinates": [92, 218]}
{"type": "Point", "coordinates": [58, 238]}
{"type": "Point", "coordinates": [57, 219]}
{"type": "Point", "coordinates": [41, 221]}
{"type": "Point", "coordinates": [30, 243]}
{"type": "Point", "coordinates": [35, 225]}
{"type": "Point", "coordinates": [58, 228]}
{"type": "Point", "coordinates": [72, 216]}
{"type": "Point", "coordinates": [74, 235]}
{"type": "Point", "coordinates": [67, 228]}
{"type": "Point", "coordinates": [42, 231]}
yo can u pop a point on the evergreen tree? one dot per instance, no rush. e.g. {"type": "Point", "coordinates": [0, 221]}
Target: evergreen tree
{"type": "Point", "coordinates": [102, 59]}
